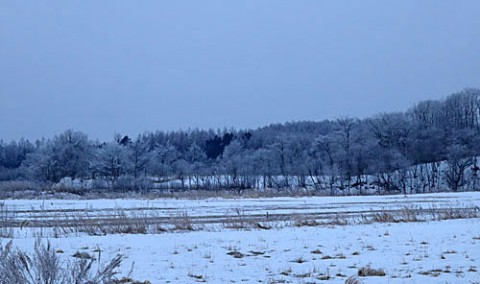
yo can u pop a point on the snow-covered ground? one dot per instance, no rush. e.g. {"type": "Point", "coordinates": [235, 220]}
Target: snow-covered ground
{"type": "Point", "coordinates": [44, 209]}
{"type": "Point", "coordinates": [433, 252]}
{"type": "Point", "coordinates": [445, 251]}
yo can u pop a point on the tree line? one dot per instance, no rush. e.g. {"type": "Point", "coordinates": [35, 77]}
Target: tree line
{"type": "Point", "coordinates": [432, 146]}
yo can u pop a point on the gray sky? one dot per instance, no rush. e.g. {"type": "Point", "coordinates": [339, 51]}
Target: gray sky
{"type": "Point", "coordinates": [106, 67]}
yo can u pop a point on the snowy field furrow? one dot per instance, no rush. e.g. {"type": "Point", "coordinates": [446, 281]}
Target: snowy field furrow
{"type": "Point", "coordinates": [48, 209]}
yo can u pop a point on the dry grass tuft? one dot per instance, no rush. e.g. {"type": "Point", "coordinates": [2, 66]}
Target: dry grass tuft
{"type": "Point", "coordinates": [368, 271]}
{"type": "Point", "coordinates": [44, 267]}
{"type": "Point", "coordinates": [183, 222]}
{"type": "Point", "coordinates": [197, 277]}
{"type": "Point", "coordinates": [299, 260]}
{"type": "Point", "coordinates": [82, 255]}
{"type": "Point", "coordinates": [236, 254]}
{"type": "Point", "coordinates": [6, 218]}
{"type": "Point", "coordinates": [353, 280]}
{"type": "Point", "coordinates": [383, 217]}
{"type": "Point", "coordinates": [128, 280]}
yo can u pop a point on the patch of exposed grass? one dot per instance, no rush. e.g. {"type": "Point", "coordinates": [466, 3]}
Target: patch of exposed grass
{"type": "Point", "coordinates": [368, 271]}
{"type": "Point", "coordinates": [303, 275]}
{"type": "Point", "coordinates": [236, 254]}
{"type": "Point", "coordinates": [299, 260]}
{"type": "Point", "coordinates": [286, 272]}
{"type": "Point", "coordinates": [432, 272]}
{"type": "Point", "coordinates": [197, 277]}
{"type": "Point", "coordinates": [352, 280]}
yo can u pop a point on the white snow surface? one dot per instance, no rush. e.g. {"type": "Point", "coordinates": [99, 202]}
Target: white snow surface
{"type": "Point", "coordinates": [421, 252]}
{"type": "Point", "coordinates": [221, 206]}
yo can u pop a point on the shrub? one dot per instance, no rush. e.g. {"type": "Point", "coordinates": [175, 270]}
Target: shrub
{"type": "Point", "coordinates": [129, 183]}
{"type": "Point", "coordinates": [44, 267]}
{"type": "Point", "coordinates": [7, 188]}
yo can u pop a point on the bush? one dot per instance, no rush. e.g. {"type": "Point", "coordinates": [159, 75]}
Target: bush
{"type": "Point", "coordinates": [128, 183]}
{"type": "Point", "coordinates": [44, 267]}
{"type": "Point", "coordinates": [12, 186]}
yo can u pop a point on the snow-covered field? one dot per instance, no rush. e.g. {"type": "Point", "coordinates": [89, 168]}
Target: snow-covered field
{"type": "Point", "coordinates": [446, 251]}
{"type": "Point", "coordinates": [217, 211]}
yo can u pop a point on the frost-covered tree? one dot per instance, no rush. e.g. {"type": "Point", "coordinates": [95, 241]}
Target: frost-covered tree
{"type": "Point", "coordinates": [140, 157]}
{"type": "Point", "coordinates": [71, 153]}
{"type": "Point", "coordinates": [67, 155]}
{"type": "Point", "coordinates": [462, 109]}
{"type": "Point", "coordinates": [111, 161]}
{"type": "Point", "coordinates": [458, 161]}
{"type": "Point", "coordinates": [431, 145]}
{"type": "Point", "coordinates": [39, 164]}
{"type": "Point", "coordinates": [162, 163]}
{"type": "Point", "coordinates": [233, 163]}
{"type": "Point", "coordinates": [194, 166]}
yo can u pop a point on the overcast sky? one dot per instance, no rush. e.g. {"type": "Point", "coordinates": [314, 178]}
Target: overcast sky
{"type": "Point", "coordinates": [106, 67]}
